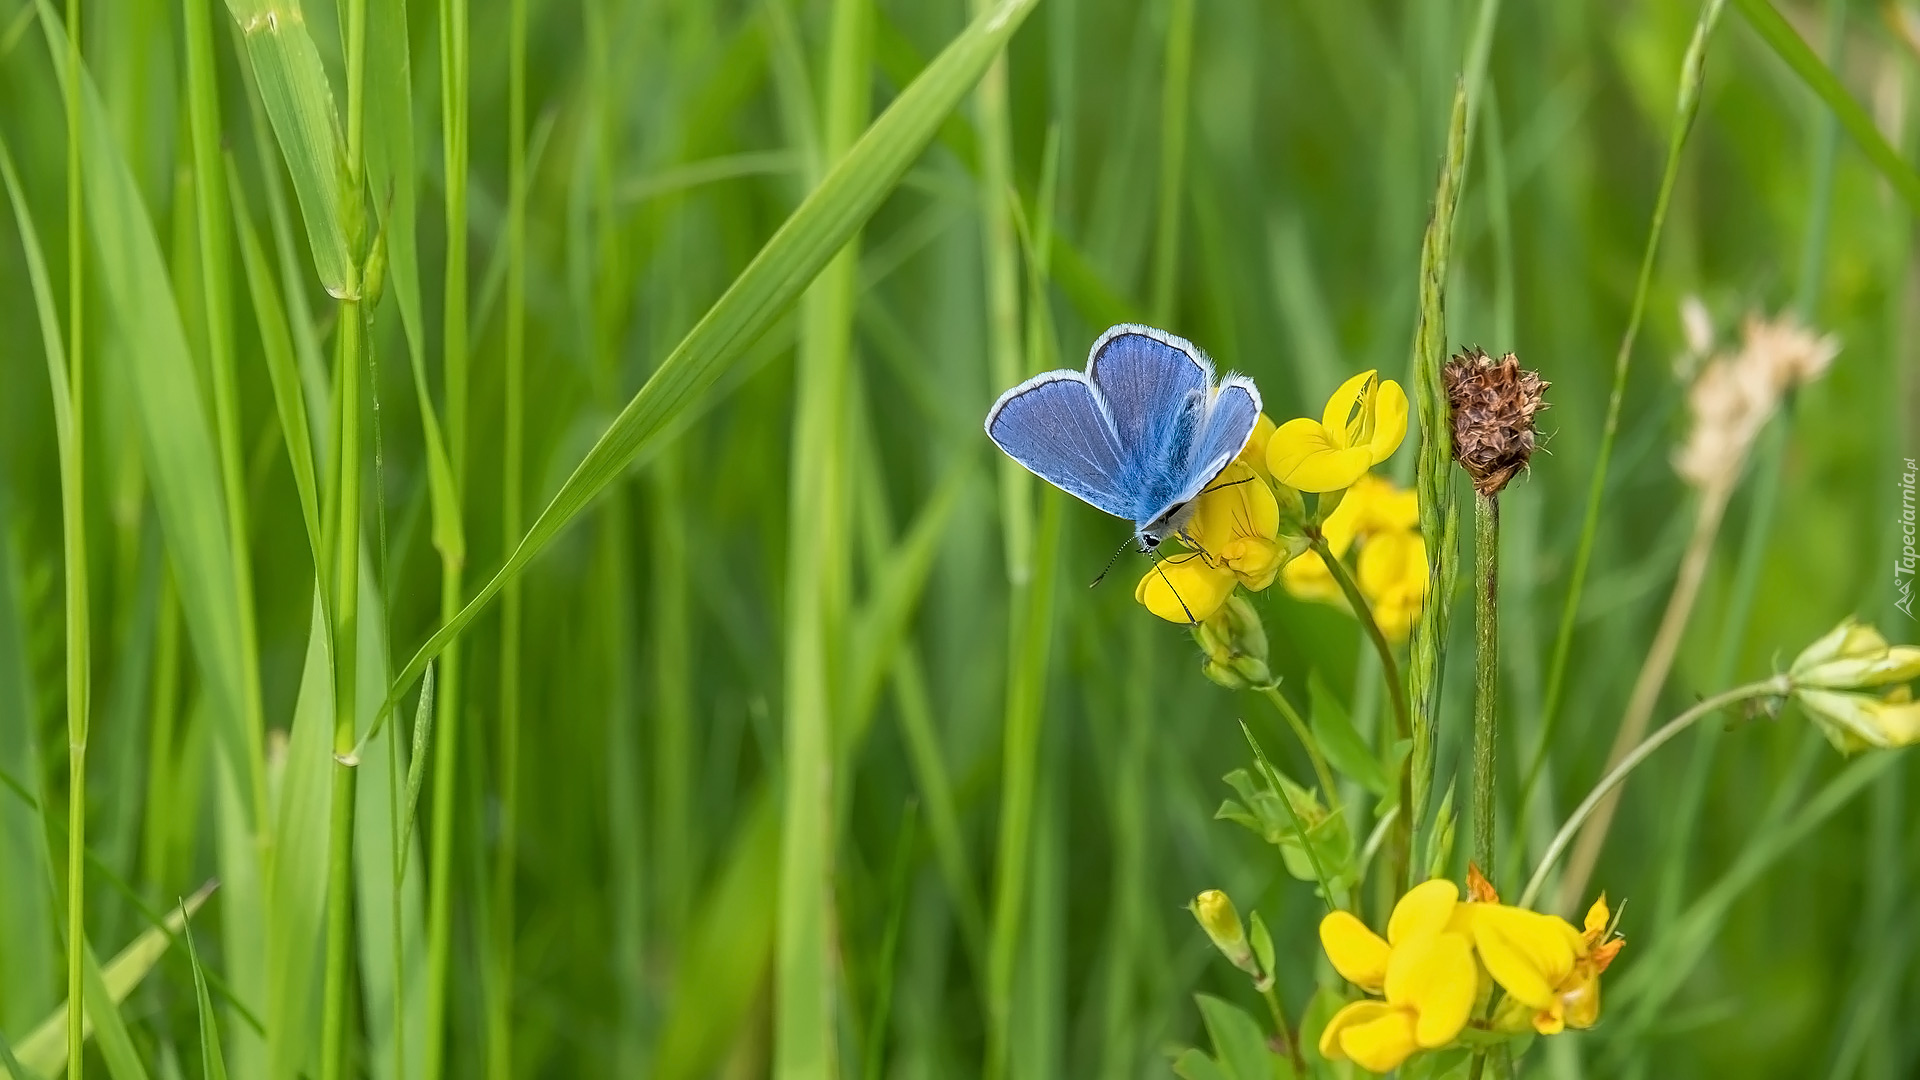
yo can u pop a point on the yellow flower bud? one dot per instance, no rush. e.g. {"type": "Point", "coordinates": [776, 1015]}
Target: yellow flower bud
{"type": "Point", "coordinates": [1215, 913]}
{"type": "Point", "coordinates": [1854, 657]}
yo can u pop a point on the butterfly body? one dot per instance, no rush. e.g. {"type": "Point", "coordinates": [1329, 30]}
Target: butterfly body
{"type": "Point", "coordinates": [1138, 434]}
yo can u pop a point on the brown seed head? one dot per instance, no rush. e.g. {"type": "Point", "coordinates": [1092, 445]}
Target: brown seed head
{"type": "Point", "coordinates": [1494, 402]}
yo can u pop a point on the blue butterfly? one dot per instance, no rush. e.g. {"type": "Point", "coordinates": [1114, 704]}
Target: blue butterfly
{"type": "Point", "coordinates": [1139, 435]}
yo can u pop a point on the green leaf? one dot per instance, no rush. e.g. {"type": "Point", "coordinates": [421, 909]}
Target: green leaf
{"type": "Point", "coordinates": [417, 763]}
{"type": "Point", "coordinates": [210, 1056]}
{"type": "Point", "coordinates": [1343, 746]}
{"type": "Point", "coordinates": [1194, 1065]}
{"type": "Point", "coordinates": [818, 228]}
{"type": "Point", "coordinates": [1237, 1042]}
{"type": "Point", "coordinates": [1262, 941]}
{"type": "Point", "coordinates": [299, 103]}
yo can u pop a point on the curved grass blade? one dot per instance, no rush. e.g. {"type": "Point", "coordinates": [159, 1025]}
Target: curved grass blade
{"type": "Point", "coordinates": [850, 194]}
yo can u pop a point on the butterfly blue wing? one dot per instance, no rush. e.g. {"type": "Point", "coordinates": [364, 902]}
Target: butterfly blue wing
{"type": "Point", "coordinates": [1155, 386]}
{"type": "Point", "coordinates": [1056, 426]}
{"type": "Point", "coordinates": [1229, 424]}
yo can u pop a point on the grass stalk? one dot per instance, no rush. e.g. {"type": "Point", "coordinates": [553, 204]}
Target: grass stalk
{"type": "Point", "coordinates": [349, 331]}
{"type": "Point", "coordinates": [506, 859]}
{"type": "Point", "coordinates": [1486, 685]}
{"type": "Point", "coordinates": [1686, 108]}
{"type": "Point", "coordinates": [807, 1012]}
{"type": "Point", "coordinates": [1777, 686]}
{"type": "Point", "coordinates": [73, 532]}
{"type": "Point", "coordinates": [453, 345]}
{"type": "Point", "coordinates": [1653, 676]}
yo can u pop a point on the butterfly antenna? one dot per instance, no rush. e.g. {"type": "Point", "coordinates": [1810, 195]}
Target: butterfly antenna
{"type": "Point", "coordinates": [1109, 567]}
{"type": "Point", "coordinates": [1161, 570]}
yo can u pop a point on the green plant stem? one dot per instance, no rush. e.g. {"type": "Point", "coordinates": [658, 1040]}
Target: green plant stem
{"type": "Point", "coordinates": [500, 997]}
{"type": "Point", "coordinates": [446, 773]}
{"type": "Point", "coordinates": [1299, 725]}
{"type": "Point", "coordinates": [1777, 686]}
{"type": "Point", "coordinates": [346, 637]}
{"type": "Point", "coordinates": [1687, 106]}
{"type": "Point", "coordinates": [1486, 683]}
{"type": "Point", "coordinates": [1358, 601]}
{"type": "Point", "coordinates": [339, 963]}
{"type": "Point", "coordinates": [1402, 848]}
{"type": "Point", "coordinates": [73, 527]}
{"type": "Point", "coordinates": [1285, 1030]}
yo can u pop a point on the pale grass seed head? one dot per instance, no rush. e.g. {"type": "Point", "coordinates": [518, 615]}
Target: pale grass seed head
{"type": "Point", "coordinates": [1737, 392]}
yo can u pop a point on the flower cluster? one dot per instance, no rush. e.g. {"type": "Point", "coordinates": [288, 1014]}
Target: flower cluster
{"type": "Point", "coordinates": [1382, 522]}
{"type": "Point", "coordinates": [1250, 525]}
{"type": "Point", "coordinates": [1855, 687]}
{"type": "Point", "coordinates": [1442, 958]}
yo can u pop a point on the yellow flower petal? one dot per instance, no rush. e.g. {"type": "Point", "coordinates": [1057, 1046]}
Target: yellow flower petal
{"type": "Point", "coordinates": [1582, 1003]}
{"type": "Point", "coordinates": [1551, 1020]}
{"type": "Point", "coordinates": [1347, 407]}
{"type": "Point", "coordinates": [1357, 953]}
{"type": "Point", "coordinates": [1424, 910]}
{"type": "Point", "coordinates": [1597, 918]}
{"type": "Point", "coordinates": [1254, 454]}
{"type": "Point", "coordinates": [1527, 953]}
{"type": "Point", "coordinates": [1305, 456]}
{"type": "Point", "coordinates": [1392, 574]}
{"type": "Point", "coordinates": [1382, 1043]}
{"type": "Point", "coordinates": [1350, 1015]}
{"type": "Point", "coordinates": [1185, 588]}
{"type": "Point", "coordinates": [1389, 408]}
{"type": "Point", "coordinates": [1307, 578]}
{"type": "Point", "coordinates": [1434, 975]}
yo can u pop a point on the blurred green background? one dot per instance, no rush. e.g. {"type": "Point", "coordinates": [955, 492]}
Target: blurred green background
{"type": "Point", "coordinates": [814, 561]}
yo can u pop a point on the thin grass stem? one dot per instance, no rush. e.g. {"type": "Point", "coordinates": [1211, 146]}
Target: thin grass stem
{"type": "Point", "coordinates": [1687, 107]}
{"type": "Point", "coordinates": [1305, 734]}
{"type": "Point", "coordinates": [1777, 686]}
{"type": "Point", "coordinates": [1486, 698]}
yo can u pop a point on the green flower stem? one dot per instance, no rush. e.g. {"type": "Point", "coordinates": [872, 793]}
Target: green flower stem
{"type": "Point", "coordinates": [1364, 613]}
{"type": "Point", "coordinates": [1486, 683]}
{"type": "Point", "coordinates": [1777, 686]}
{"type": "Point", "coordinates": [1299, 726]}
{"type": "Point", "coordinates": [1402, 850]}
{"type": "Point", "coordinates": [1287, 1035]}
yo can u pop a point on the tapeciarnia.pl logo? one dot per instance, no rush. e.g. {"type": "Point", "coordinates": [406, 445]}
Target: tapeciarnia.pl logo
{"type": "Point", "coordinates": [1903, 564]}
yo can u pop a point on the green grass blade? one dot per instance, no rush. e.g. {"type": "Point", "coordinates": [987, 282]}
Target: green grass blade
{"type": "Point", "coordinates": [1787, 43]}
{"type": "Point", "coordinates": [45, 1049]}
{"type": "Point", "coordinates": [817, 229]}
{"type": "Point", "coordinates": [293, 86]}
{"type": "Point", "coordinates": [289, 396]}
{"type": "Point", "coordinates": [214, 1062]}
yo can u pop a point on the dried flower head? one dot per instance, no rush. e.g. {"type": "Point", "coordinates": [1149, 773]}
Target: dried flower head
{"type": "Point", "coordinates": [1737, 393]}
{"type": "Point", "coordinates": [1494, 402]}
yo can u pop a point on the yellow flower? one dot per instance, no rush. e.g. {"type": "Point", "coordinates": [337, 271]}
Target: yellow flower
{"type": "Point", "coordinates": [1371, 505]}
{"type": "Point", "coordinates": [1363, 423]}
{"type": "Point", "coordinates": [1392, 574]}
{"type": "Point", "coordinates": [1550, 971]}
{"type": "Point", "coordinates": [1852, 721]}
{"type": "Point", "coordinates": [1424, 968]}
{"type": "Point", "coordinates": [1393, 578]}
{"type": "Point", "coordinates": [1254, 454]}
{"type": "Point", "coordinates": [1235, 528]}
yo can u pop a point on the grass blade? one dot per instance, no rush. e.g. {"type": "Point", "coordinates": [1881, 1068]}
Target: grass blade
{"type": "Point", "coordinates": [817, 229]}
{"type": "Point", "coordinates": [1790, 47]}
{"type": "Point", "coordinates": [214, 1062]}
{"type": "Point", "coordinates": [293, 86]}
